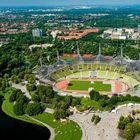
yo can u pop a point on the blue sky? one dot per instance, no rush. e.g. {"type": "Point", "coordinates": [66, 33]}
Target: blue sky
{"type": "Point", "coordinates": [64, 2]}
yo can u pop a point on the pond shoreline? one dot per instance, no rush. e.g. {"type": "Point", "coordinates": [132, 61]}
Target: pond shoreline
{"type": "Point", "coordinates": [17, 124]}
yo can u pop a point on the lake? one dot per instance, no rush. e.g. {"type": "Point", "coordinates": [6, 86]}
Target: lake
{"type": "Point", "coordinates": [16, 129]}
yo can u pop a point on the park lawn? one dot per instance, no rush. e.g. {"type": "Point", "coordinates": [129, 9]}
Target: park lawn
{"type": "Point", "coordinates": [69, 58]}
{"type": "Point", "coordinates": [95, 105]}
{"type": "Point", "coordinates": [68, 130]}
{"type": "Point", "coordinates": [63, 130]}
{"type": "Point", "coordinates": [85, 85]}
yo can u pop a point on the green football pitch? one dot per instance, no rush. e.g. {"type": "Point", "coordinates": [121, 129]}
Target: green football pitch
{"type": "Point", "coordinates": [85, 85]}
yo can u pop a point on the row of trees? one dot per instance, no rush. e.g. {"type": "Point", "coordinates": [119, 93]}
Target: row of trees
{"type": "Point", "coordinates": [111, 102]}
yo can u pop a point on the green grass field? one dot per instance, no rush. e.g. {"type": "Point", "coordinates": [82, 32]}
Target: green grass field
{"type": "Point", "coordinates": [85, 85]}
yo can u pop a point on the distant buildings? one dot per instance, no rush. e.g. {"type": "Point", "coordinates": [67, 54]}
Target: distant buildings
{"type": "Point", "coordinates": [37, 32]}
{"type": "Point", "coordinates": [77, 34]}
{"type": "Point", "coordinates": [121, 33]}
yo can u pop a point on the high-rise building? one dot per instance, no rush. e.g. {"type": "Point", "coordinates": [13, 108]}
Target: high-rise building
{"type": "Point", "coordinates": [37, 32]}
{"type": "Point", "coordinates": [139, 28]}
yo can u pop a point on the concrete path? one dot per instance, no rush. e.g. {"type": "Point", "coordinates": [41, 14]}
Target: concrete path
{"type": "Point", "coordinates": [49, 110]}
{"type": "Point", "coordinates": [22, 88]}
{"type": "Point", "coordinates": [106, 129]}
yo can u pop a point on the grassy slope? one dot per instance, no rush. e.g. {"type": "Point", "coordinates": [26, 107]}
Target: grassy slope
{"type": "Point", "coordinates": [85, 85]}
{"type": "Point", "coordinates": [94, 104]}
{"type": "Point", "coordinates": [64, 131]}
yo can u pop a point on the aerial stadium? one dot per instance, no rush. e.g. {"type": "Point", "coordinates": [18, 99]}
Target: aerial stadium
{"type": "Point", "coordinates": [104, 74]}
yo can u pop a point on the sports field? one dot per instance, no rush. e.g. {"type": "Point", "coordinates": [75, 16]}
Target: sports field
{"type": "Point", "coordinates": [85, 85]}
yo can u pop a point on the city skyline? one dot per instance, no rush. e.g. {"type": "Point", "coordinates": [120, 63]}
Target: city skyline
{"type": "Point", "coordinates": [66, 2]}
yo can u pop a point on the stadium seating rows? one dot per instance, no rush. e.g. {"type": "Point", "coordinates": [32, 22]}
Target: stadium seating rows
{"type": "Point", "coordinates": [66, 71]}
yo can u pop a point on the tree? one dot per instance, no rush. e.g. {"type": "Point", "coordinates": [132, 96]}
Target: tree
{"type": "Point", "coordinates": [19, 108]}
{"type": "Point", "coordinates": [136, 127]}
{"type": "Point", "coordinates": [15, 94]}
{"type": "Point", "coordinates": [31, 78]}
{"type": "Point", "coordinates": [31, 87]}
{"type": "Point", "coordinates": [94, 95]}
{"type": "Point", "coordinates": [129, 132]}
{"type": "Point", "coordinates": [93, 118]}
{"type": "Point", "coordinates": [15, 79]}
{"type": "Point", "coordinates": [113, 100]}
{"type": "Point", "coordinates": [103, 102]}
{"type": "Point", "coordinates": [35, 97]}
{"type": "Point", "coordinates": [68, 100]}
{"type": "Point", "coordinates": [97, 119]}
{"type": "Point", "coordinates": [76, 101]}
{"type": "Point", "coordinates": [22, 99]}
{"type": "Point", "coordinates": [33, 109]}
{"type": "Point", "coordinates": [61, 114]}
{"type": "Point", "coordinates": [3, 83]}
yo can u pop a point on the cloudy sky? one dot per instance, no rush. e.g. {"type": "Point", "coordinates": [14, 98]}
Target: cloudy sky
{"type": "Point", "coordinates": [64, 2]}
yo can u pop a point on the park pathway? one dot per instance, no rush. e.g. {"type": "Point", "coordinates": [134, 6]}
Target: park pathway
{"type": "Point", "coordinates": [22, 88]}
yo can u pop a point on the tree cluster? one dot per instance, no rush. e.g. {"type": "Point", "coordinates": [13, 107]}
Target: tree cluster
{"type": "Point", "coordinates": [129, 127]}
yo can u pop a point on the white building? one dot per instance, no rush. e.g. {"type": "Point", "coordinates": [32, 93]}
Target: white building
{"type": "Point", "coordinates": [42, 46]}
{"type": "Point", "coordinates": [54, 33]}
{"type": "Point", "coordinates": [37, 32]}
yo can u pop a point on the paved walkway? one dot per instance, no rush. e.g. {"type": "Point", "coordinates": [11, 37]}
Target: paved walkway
{"type": "Point", "coordinates": [49, 110]}
{"type": "Point", "coordinates": [106, 129]}
{"type": "Point", "coordinates": [44, 124]}
{"type": "Point", "coordinates": [22, 88]}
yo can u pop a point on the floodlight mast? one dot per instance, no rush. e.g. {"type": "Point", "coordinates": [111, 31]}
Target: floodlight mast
{"type": "Point", "coordinates": [40, 60]}
{"type": "Point", "coordinates": [98, 58]}
{"type": "Point", "coordinates": [121, 51]}
{"type": "Point", "coordinates": [58, 56]}
{"type": "Point", "coordinates": [79, 55]}
{"type": "Point", "coordinates": [100, 50]}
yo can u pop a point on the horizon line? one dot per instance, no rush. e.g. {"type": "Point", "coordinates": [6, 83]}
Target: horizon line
{"type": "Point", "coordinates": [69, 5]}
